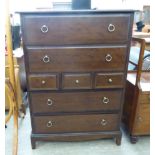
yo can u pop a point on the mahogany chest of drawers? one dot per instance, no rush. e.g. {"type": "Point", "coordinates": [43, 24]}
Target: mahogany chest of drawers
{"type": "Point", "coordinates": [76, 65]}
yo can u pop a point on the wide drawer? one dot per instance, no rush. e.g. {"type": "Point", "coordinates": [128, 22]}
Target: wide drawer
{"type": "Point", "coordinates": [75, 29]}
{"type": "Point", "coordinates": [75, 123]}
{"type": "Point", "coordinates": [80, 59]}
{"type": "Point", "coordinates": [43, 82]}
{"type": "Point", "coordinates": [76, 81]}
{"type": "Point", "coordinates": [75, 101]}
{"type": "Point", "coordinates": [109, 80]}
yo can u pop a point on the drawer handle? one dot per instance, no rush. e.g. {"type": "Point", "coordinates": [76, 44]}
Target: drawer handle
{"type": "Point", "coordinates": [110, 80]}
{"type": "Point", "coordinates": [49, 102]}
{"type": "Point", "coordinates": [76, 81]}
{"type": "Point", "coordinates": [140, 119]}
{"type": "Point", "coordinates": [44, 29]}
{"type": "Point", "coordinates": [43, 82]}
{"type": "Point", "coordinates": [108, 58]}
{"type": "Point", "coordinates": [46, 59]}
{"type": "Point", "coordinates": [103, 122]}
{"type": "Point", "coordinates": [49, 124]}
{"type": "Point", "coordinates": [105, 100]}
{"type": "Point", "coordinates": [111, 28]}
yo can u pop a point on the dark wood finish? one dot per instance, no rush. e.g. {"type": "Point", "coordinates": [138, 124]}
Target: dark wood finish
{"type": "Point", "coordinates": [75, 55]}
{"type": "Point", "coordinates": [69, 137]}
{"type": "Point", "coordinates": [76, 123]}
{"type": "Point", "coordinates": [72, 59]}
{"type": "Point", "coordinates": [136, 113]}
{"type": "Point", "coordinates": [75, 29]}
{"type": "Point", "coordinates": [33, 143]}
{"type": "Point", "coordinates": [142, 117]}
{"type": "Point", "coordinates": [118, 139]}
{"type": "Point", "coordinates": [43, 82]}
{"type": "Point", "coordinates": [76, 81]}
{"type": "Point", "coordinates": [109, 80]}
{"type": "Point", "coordinates": [75, 101]}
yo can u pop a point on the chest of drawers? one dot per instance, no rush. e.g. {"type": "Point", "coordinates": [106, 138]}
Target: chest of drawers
{"type": "Point", "coordinates": [76, 65]}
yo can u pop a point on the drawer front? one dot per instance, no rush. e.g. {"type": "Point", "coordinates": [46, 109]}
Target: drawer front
{"type": "Point", "coordinates": [142, 121]}
{"type": "Point", "coordinates": [75, 101]}
{"type": "Point", "coordinates": [110, 80]}
{"type": "Point", "coordinates": [76, 81]}
{"type": "Point", "coordinates": [80, 59]}
{"type": "Point", "coordinates": [75, 29]}
{"type": "Point", "coordinates": [43, 82]}
{"type": "Point", "coordinates": [75, 123]}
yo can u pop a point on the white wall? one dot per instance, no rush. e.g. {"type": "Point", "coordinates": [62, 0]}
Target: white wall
{"type": "Point", "coordinates": [100, 4]}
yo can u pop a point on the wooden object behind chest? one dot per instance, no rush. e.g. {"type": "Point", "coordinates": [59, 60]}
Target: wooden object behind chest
{"type": "Point", "coordinates": [76, 63]}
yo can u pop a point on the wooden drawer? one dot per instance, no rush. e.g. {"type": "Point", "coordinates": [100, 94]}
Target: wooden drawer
{"type": "Point", "coordinates": [76, 81]}
{"type": "Point", "coordinates": [109, 80]}
{"type": "Point", "coordinates": [77, 59]}
{"type": "Point", "coordinates": [142, 118]}
{"type": "Point", "coordinates": [75, 29]}
{"type": "Point", "coordinates": [75, 123]}
{"type": "Point", "coordinates": [142, 121]}
{"type": "Point", "coordinates": [43, 82]}
{"type": "Point", "coordinates": [75, 101]}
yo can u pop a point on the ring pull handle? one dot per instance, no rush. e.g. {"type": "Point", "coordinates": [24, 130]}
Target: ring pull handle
{"type": "Point", "coordinates": [49, 102]}
{"type": "Point", "coordinates": [46, 59]}
{"type": "Point", "coordinates": [44, 29]}
{"type": "Point", "coordinates": [49, 124]}
{"type": "Point", "coordinates": [108, 58]}
{"type": "Point", "coordinates": [103, 122]}
{"type": "Point", "coordinates": [111, 28]}
{"type": "Point", "coordinates": [105, 100]}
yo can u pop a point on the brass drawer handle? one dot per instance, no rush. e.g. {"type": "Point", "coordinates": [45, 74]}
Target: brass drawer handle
{"type": "Point", "coordinates": [103, 122]}
{"type": "Point", "coordinates": [111, 28]}
{"type": "Point", "coordinates": [105, 100]}
{"type": "Point", "coordinates": [44, 29]}
{"type": "Point", "coordinates": [49, 124]}
{"type": "Point", "coordinates": [49, 102]}
{"type": "Point", "coordinates": [110, 80]}
{"type": "Point", "coordinates": [46, 59]}
{"type": "Point", "coordinates": [76, 81]}
{"type": "Point", "coordinates": [43, 82]}
{"type": "Point", "coordinates": [108, 58]}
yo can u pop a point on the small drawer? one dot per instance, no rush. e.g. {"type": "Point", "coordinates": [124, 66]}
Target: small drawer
{"type": "Point", "coordinates": [43, 82]}
{"type": "Point", "coordinates": [109, 80]}
{"type": "Point", "coordinates": [77, 81]}
{"type": "Point", "coordinates": [75, 123]}
{"type": "Point", "coordinates": [48, 102]}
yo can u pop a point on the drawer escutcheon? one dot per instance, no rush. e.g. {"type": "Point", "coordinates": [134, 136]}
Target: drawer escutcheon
{"type": "Point", "coordinates": [103, 122]}
{"type": "Point", "coordinates": [44, 29]}
{"type": "Point", "coordinates": [49, 102]}
{"type": "Point", "coordinates": [46, 59]}
{"type": "Point", "coordinates": [108, 58]}
{"type": "Point", "coordinates": [111, 28]}
{"type": "Point", "coordinates": [49, 124]}
{"type": "Point", "coordinates": [105, 100]}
